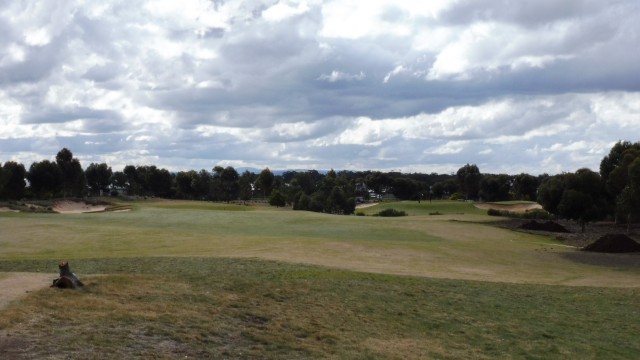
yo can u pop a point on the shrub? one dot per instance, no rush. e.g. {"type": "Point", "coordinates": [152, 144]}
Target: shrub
{"type": "Point", "coordinates": [531, 214]}
{"type": "Point", "coordinates": [494, 212]}
{"type": "Point", "coordinates": [391, 213]}
{"type": "Point", "coordinates": [360, 213]}
{"type": "Point", "coordinates": [277, 199]}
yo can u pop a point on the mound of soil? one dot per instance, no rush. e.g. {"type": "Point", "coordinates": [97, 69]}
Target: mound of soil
{"type": "Point", "coordinates": [549, 226]}
{"type": "Point", "coordinates": [614, 243]}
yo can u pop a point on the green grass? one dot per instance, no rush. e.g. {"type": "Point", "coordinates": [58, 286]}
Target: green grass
{"type": "Point", "coordinates": [195, 279]}
{"type": "Point", "coordinates": [230, 308]}
{"type": "Point", "coordinates": [443, 246]}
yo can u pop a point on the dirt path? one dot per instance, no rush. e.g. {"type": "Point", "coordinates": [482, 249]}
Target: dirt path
{"type": "Point", "coordinates": [18, 284]}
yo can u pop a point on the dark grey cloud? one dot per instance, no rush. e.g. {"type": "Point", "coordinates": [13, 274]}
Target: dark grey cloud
{"type": "Point", "coordinates": [521, 12]}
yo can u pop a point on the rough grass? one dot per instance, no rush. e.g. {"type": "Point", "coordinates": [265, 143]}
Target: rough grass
{"type": "Point", "coordinates": [229, 308]}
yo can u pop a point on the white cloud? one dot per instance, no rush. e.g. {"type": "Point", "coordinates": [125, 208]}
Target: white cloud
{"type": "Point", "coordinates": [379, 84]}
{"type": "Point", "coordinates": [284, 10]}
{"type": "Point", "coordinates": [336, 76]}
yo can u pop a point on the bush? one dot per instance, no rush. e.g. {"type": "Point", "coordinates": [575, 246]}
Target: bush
{"type": "Point", "coordinates": [391, 213]}
{"type": "Point", "coordinates": [530, 214]}
{"type": "Point", "coordinates": [494, 212]}
{"type": "Point", "coordinates": [277, 199]}
{"type": "Point", "coordinates": [360, 213]}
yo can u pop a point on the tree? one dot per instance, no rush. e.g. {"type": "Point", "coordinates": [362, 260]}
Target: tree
{"type": "Point", "coordinates": [245, 185]}
{"type": "Point", "coordinates": [578, 206]}
{"type": "Point", "coordinates": [336, 202]}
{"type": "Point", "coordinates": [576, 196]}
{"type": "Point", "coordinates": [444, 188]}
{"type": "Point", "coordinates": [202, 184]}
{"type": "Point", "coordinates": [133, 182]}
{"type": "Point", "coordinates": [469, 178]}
{"type": "Point", "coordinates": [229, 181]}
{"type": "Point", "coordinates": [379, 182]}
{"type": "Point", "coordinates": [615, 156]}
{"type": "Point", "coordinates": [185, 181]}
{"type": "Point", "coordinates": [301, 201]}
{"type": "Point", "coordinates": [98, 177]}
{"type": "Point", "coordinates": [216, 191]}
{"type": "Point", "coordinates": [265, 182]}
{"type": "Point", "coordinates": [277, 198]}
{"type": "Point", "coordinates": [45, 178]}
{"type": "Point", "coordinates": [119, 180]}
{"type": "Point", "coordinates": [152, 181]}
{"type": "Point", "coordinates": [73, 177]}
{"type": "Point", "coordinates": [159, 181]}
{"type": "Point", "coordinates": [550, 193]}
{"type": "Point", "coordinates": [614, 173]}
{"type": "Point", "coordinates": [495, 187]}
{"type": "Point", "coordinates": [406, 189]}
{"type": "Point", "coordinates": [305, 182]}
{"type": "Point", "coordinates": [628, 201]}
{"type": "Point", "coordinates": [525, 187]}
{"type": "Point", "coordinates": [12, 180]}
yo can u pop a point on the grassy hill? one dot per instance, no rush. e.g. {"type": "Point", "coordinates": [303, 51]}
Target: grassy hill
{"type": "Point", "coordinates": [174, 279]}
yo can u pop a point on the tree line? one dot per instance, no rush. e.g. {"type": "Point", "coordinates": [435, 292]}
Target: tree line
{"type": "Point", "coordinates": [584, 195]}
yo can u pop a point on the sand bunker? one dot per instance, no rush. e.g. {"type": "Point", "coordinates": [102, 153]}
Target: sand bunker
{"type": "Point", "coordinates": [75, 207]}
{"type": "Point", "coordinates": [19, 284]}
{"type": "Point", "coordinates": [510, 207]}
{"type": "Point", "coordinates": [363, 206]}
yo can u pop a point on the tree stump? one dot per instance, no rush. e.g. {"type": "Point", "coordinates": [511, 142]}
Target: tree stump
{"type": "Point", "coordinates": [67, 279]}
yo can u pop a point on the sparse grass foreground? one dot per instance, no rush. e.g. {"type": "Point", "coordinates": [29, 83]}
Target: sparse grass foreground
{"type": "Point", "coordinates": [228, 308]}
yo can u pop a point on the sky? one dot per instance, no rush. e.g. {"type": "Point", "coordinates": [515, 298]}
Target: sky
{"type": "Point", "coordinates": [535, 86]}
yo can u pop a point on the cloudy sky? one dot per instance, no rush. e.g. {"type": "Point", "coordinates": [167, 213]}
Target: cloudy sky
{"type": "Point", "coordinates": [418, 86]}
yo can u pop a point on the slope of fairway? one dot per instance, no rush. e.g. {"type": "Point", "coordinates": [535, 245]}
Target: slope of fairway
{"type": "Point", "coordinates": [440, 246]}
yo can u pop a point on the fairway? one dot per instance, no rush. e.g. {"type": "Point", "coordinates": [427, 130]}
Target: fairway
{"type": "Point", "coordinates": [176, 279]}
{"type": "Point", "coordinates": [455, 244]}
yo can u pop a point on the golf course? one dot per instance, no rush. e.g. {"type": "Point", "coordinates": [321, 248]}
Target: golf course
{"type": "Point", "coordinates": [187, 279]}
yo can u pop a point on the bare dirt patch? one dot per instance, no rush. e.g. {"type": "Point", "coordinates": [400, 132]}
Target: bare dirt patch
{"type": "Point", "coordinates": [19, 284]}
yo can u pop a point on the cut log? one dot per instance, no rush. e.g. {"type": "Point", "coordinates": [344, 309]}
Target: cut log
{"type": "Point", "coordinates": [67, 279]}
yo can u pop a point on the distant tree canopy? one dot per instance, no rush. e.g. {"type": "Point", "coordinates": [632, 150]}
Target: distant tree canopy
{"type": "Point", "coordinates": [583, 196]}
